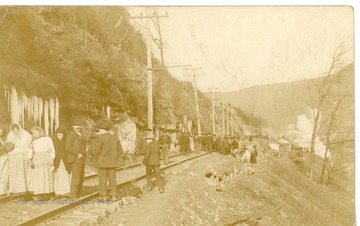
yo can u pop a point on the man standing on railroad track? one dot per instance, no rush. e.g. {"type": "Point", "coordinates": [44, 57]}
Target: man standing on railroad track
{"type": "Point", "coordinates": [164, 142]}
{"type": "Point", "coordinates": [152, 162]}
{"type": "Point", "coordinates": [76, 155]}
{"type": "Point", "coordinates": [110, 152]}
{"type": "Point", "coordinates": [185, 143]}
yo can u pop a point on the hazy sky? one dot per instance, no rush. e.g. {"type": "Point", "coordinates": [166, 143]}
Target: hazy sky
{"type": "Point", "coordinates": [238, 47]}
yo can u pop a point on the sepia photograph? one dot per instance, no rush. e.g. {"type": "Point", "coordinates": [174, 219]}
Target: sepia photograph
{"type": "Point", "coordinates": [177, 115]}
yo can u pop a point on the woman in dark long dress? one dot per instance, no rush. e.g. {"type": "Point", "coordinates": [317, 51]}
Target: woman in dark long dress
{"type": "Point", "coordinates": [62, 175]}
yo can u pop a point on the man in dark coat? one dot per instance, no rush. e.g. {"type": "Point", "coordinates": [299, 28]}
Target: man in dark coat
{"type": "Point", "coordinates": [203, 142]}
{"type": "Point", "coordinates": [164, 142]}
{"type": "Point", "coordinates": [225, 146]}
{"type": "Point", "coordinates": [93, 154]}
{"type": "Point", "coordinates": [75, 156]}
{"type": "Point", "coordinates": [208, 143]}
{"type": "Point", "coordinates": [152, 162]}
{"type": "Point", "coordinates": [109, 158]}
{"type": "Point", "coordinates": [140, 142]}
{"type": "Point", "coordinates": [217, 144]}
{"type": "Point", "coordinates": [253, 155]}
{"type": "Point", "coordinates": [234, 145]}
{"type": "Point", "coordinates": [185, 144]}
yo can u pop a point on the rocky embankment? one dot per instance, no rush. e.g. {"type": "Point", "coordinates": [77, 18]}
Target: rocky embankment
{"type": "Point", "coordinates": [215, 191]}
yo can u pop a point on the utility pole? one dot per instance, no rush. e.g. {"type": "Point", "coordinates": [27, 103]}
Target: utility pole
{"type": "Point", "coordinates": [232, 120]}
{"type": "Point", "coordinates": [223, 117]}
{"type": "Point", "coordinates": [213, 112]}
{"type": "Point", "coordinates": [196, 98]}
{"type": "Point", "coordinates": [196, 103]}
{"type": "Point", "coordinates": [149, 64]}
{"type": "Point", "coordinates": [160, 45]}
{"type": "Point", "coordinates": [149, 72]}
{"type": "Point", "coordinates": [212, 90]}
{"type": "Point", "coordinates": [227, 120]}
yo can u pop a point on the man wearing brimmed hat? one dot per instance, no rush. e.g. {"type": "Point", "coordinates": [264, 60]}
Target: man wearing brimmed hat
{"type": "Point", "coordinates": [152, 161]}
{"type": "Point", "coordinates": [76, 155]}
{"type": "Point", "coordinates": [109, 151]}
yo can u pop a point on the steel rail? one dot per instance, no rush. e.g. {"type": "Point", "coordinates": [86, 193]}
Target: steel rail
{"type": "Point", "coordinates": [9, 198]}
{"type": "Point", "coordinates": [68, 207]}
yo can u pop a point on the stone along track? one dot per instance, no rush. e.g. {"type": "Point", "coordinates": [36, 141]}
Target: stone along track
{"type": "Point", "coordinates": [17, 212]}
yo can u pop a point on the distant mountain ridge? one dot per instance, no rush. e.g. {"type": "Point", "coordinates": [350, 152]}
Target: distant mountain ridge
{"type": "Point", "coordinates": [277, 105]}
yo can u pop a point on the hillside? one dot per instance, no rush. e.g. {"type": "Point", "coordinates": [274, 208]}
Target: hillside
{"type": "Point", "coordinates": [287, 109]}
{"type": "Point", "coordinates": [278, 193]}
{"type": "Point", "coordinates": [89, 58]}
{"type": "Point", "coordinates": [278, 105]}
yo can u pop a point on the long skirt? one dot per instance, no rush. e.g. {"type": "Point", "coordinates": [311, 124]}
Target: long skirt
{"type": "Point", "coordinates": [62, 180]}
{"type": "Point", "coordinates": [19, 172]}
{"type": "Point", "coordinates": [4, 175]}
{"type": "Point", "coordinates": [42, 177]}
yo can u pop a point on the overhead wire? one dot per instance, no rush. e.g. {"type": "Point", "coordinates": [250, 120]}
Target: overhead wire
{"type": "Point", "coordinates": [142, 28]}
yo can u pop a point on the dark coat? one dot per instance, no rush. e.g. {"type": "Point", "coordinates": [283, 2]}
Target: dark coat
{"type": "Point", "coordinates": [60, 153]}
{"type": "Point", "coordinates": [2, 149]}
{"type": "Point", "coordinates": [184, 143]}
{"type": "Point", "coordinates": [2, 144]}
{"type": "Point", "coordinates": [235, 144]}
{"type": "Point", "coordinates": [152, 154]}
{"type": "Point", "coordinates": [75, 144]}
{"type": "Point", "coordinates": [110, 151]}
{"type": "Point", "coordinates": [164, 139]}
{"type": "Point", "coordinates": [93, 154]}
{"type": "Point", "coordinates": [253, 156]}
{"type": "Point", "coordinates": [208, 140]}
{"type": "Point", "coordinates": [225, 144]}
{"type": "Point", "coordinates": [140, 145]}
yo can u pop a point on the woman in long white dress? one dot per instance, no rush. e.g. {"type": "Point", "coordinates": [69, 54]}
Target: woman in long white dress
{"type": "Point", "coordinates": [41, 154]}
{"type": "Point", "coordinates": [62, 175]}
{"type": "Point", "coordinates": [19, 168]}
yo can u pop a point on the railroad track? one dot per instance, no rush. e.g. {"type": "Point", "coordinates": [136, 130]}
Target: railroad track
{"type": "Point", "coordinates": [28, 196]}
{"type": "Point", "coordinates": [18, 212]}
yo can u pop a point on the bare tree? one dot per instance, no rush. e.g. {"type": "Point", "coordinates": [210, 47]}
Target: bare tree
{"type": "Point", "coordinates": [334, 102]}
{"type": "Point", "coordinates": [322, 89]}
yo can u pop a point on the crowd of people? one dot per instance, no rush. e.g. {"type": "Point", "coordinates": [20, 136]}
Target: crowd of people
{"type": "Point", "coordinates": [229, 146]}
{"type": "Point", "coordinates": [223, 145]}
{"type": "Point", "coordinates": [37, 164]}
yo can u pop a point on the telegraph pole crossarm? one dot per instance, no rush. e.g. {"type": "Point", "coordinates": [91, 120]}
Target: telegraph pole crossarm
{"type": "Point", "coordinates": [146, 17]}
{"type": "Point", "coordinates": [149, 61]}
{"type": "Point", "coordinates": [167, 66]}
